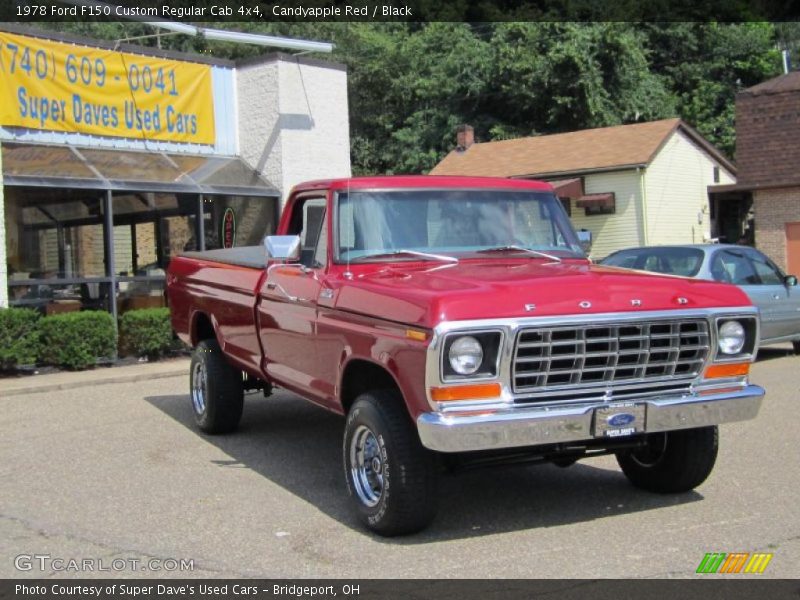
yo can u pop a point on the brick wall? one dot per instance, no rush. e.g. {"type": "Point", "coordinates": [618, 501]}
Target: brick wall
{"type": "Point", "coordinates": [773, 209]}
{"type": "Point", "coordinates": [89, 252]}
{"type": "Point", "coordinates": [767, 130]}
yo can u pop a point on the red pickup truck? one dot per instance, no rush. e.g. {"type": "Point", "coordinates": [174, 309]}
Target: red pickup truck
{"type": "Point", "coordinates": [457, 322]}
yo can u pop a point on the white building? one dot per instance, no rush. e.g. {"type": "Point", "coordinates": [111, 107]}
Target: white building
{"type": "Point", "coordinates": [630, 185]}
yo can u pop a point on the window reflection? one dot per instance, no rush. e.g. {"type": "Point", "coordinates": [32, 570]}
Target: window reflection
{"type": "Point", "coordinates": [56, 243]}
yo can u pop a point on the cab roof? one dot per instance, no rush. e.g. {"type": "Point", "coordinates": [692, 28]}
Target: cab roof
{"type": "Point", "coordinates": [424, 181]}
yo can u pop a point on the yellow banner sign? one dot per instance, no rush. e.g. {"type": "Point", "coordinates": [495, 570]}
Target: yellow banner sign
{"type": "Point", "coordinates": [62, 87]}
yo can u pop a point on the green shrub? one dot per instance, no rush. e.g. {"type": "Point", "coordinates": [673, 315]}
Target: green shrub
{"type": "Point", "coordinates": [76, 340]}
{"type": "Point", "coordinates": [146, 332]}
{"type": "Point", "coordinates": [19, 337]}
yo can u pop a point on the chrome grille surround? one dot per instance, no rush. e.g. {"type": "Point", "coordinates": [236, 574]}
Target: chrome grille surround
{"type": "Point", "coordinates": [629, 354]}
{"type": "Point", "coordinates": [584, 395]}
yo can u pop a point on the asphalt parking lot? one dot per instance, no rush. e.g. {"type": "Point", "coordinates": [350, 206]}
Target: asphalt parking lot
{"type": "Point", "coordinates": [118, 472]}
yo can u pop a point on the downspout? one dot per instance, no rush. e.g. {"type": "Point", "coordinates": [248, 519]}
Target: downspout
{"type": "Point", "coordinates": [643, 193]}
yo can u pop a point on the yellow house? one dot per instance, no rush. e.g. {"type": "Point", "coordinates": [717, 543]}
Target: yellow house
{"type": "Point", "coordinates": [630, 185]}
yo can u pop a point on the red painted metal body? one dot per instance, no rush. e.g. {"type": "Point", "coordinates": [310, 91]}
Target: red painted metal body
{"type": "Point", "coordinates": [307, 344]}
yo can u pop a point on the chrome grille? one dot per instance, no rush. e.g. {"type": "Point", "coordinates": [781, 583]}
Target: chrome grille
{"type": "Point", "coordinates": [608, 354]}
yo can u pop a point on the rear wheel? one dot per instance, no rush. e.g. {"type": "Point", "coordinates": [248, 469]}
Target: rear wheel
{"type": "Point", "coordinates": [216, 389]}
{"type": "Point", "coordinates": [796, 346]}
{"type": "Point", "coordinates": [672, 462]}
{"type": "Point", "coordinates": [390, 476]}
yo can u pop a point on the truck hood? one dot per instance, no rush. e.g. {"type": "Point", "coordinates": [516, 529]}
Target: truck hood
{"type": "Point", "coordinates": [425, 296]}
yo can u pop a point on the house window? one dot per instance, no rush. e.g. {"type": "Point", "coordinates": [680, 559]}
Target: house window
{"type": "Point", "coordinates": [716, 174]}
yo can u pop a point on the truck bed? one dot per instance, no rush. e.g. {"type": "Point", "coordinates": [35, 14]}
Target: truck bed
{"type": "Point", "coordinates": [222, 285]}
{"type": "Point", "coordinates": [245, 256]}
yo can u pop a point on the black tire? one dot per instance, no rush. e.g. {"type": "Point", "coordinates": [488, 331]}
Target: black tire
{"type": "Point", "coordinates": [672, 462]}
{"type": "Point", "coordinates": [796, 346]}
{"type": "Point", "coordinates": [403, 499]}
{"type": "Point", "coordinates": [218, 396]}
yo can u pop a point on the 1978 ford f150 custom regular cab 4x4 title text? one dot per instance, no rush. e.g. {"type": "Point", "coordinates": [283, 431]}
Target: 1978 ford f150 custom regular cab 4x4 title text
{"type": "Point", "coordinates": [455, 322]}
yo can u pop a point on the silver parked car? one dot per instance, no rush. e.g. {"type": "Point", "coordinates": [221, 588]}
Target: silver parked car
{"type": "Point", "coordinates": [774, 293]}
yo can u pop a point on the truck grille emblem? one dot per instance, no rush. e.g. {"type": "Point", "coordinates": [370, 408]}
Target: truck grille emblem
{"type": "Point", "coordinates": [530, 307]}
{"type": "Point", "coordinates": [636, 302]}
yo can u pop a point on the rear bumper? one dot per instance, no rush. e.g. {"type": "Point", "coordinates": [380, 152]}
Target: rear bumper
{"type": "Point", "coordinates": [533, 426]}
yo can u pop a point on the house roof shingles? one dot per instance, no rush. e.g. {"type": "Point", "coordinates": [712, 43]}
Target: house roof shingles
{"type": "Point", "coordinates": [589, 150]}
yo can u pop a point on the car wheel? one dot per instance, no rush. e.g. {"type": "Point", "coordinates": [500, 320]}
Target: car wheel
{"type": "Point", "coordinates": [390, 476]}
{"type": "Point", "coordinates": [672, 462]}
{"type": "Point", "coordinates": [796, 346]}
{"type": "Point", "coordinates": [216, 389]}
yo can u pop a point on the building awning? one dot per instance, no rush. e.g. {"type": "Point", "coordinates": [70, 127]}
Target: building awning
{"type": "Point", "coordinates": [41, 165]}
{"type": "Point", "coordinates": [568, 188]}
{"type": "Point", "coordinates": [604, 200]}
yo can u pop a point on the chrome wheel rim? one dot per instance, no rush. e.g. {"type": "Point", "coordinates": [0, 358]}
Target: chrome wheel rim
{"type": "Point", "coordinates": [199, 388]}
{"type": "Point", "coordinates": [367, 466]}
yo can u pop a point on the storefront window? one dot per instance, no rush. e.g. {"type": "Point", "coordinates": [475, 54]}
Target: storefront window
{"type": "Point", "coordinates": [51, 234]}
{"type": "Point", "coordinates": [149, 229]}
{"type": "Point", "coordinates": [55, 249]}
{"type": "Point", "coordinates": [50, 299]}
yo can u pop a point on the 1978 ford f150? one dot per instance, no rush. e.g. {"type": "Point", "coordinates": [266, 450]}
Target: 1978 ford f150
{"type": "Point", "coordinates": [457, 322]}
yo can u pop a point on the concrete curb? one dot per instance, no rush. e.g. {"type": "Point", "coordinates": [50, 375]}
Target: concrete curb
{"type": "Point", "coordinates": [90, 379]}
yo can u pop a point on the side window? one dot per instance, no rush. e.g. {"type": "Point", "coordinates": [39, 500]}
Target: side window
{"type": "Point", "coordinates": [733, 267]}
{"type": "Point", "coordinates": [321, 252]}
{"type": "Point", "coordinates": [309, 222]}
{"type": "Point", "coordinates": [653, 263]}
{"type": "Point", "coordinates": [768, 273]}
{"type": "Point", "coordinates": [628, 262]}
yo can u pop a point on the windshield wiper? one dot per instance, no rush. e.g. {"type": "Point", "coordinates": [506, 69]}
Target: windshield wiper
{"type": "Point", "coordinates": [396, 253]}
{"type": "Point", "coordinates": [512, 248]}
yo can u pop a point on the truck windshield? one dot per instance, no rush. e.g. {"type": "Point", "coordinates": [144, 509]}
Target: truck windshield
{"type": "Point", "coordinates": [451, 222]}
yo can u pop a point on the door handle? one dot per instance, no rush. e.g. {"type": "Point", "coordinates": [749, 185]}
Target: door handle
{"type": "Point", "coordinates": [277, 286]}
{"type": "Point", "coordinates": [776, 297]}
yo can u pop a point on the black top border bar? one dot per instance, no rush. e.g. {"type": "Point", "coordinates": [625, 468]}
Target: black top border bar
{"type": "Point", "coordinates": [211, 11]}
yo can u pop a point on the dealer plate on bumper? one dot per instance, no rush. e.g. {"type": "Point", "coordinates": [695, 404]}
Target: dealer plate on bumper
{"type": "Point", "coordinates": [618, 420]}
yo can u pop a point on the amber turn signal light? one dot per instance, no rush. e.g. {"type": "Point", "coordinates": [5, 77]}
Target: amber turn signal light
{"type": "Point", "coordinates": [727, 370]}
{"type": "Point", "coordinates": [477, 391]}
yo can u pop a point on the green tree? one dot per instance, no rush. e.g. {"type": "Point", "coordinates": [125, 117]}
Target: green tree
{"type": "Point", "coordinates": [706, 64]}
{"type": "Point", "coordinates": [552, 77]}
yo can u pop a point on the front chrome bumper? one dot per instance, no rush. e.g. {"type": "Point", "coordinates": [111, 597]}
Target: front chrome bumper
{"type": "Point", "coordinates": [533, 426]}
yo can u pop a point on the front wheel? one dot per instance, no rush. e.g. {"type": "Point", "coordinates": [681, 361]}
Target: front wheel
{"type": "Point", "coordinates": [216, 389]}
{"type": "Point", "coordinates": [390, 476]}
{"type": "Point", "coordinates": [673, 461]}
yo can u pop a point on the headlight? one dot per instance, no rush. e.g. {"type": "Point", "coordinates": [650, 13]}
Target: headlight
{"type": "Point", "coordinates": [731, 337]}
{"type": "Point", "coordinates": [466, 355]}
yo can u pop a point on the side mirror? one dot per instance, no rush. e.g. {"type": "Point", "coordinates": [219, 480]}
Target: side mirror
{"type": "Point", "coordinates": [282, 247]}
{"type": "Point", "coordinates": [790, 280]}
{"type": "Point", "coordinates": [585, 239]}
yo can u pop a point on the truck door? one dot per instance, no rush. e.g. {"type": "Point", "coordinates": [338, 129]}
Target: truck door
{"type": "Point", "coordinates": [287, 306]}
